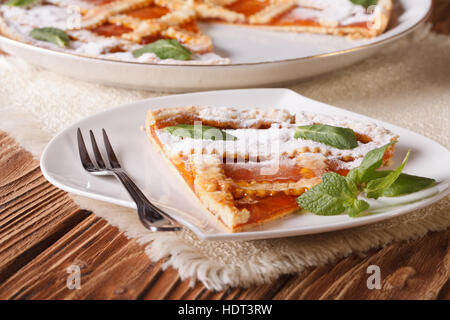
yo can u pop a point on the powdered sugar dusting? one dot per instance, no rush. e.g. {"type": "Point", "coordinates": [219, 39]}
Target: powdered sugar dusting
{"type": "Point", "coordinates": [331, 12]}
{"type": "Point", "coordinates": [244, 118]}
{"type": "Point", "coordinates": [278, 140]}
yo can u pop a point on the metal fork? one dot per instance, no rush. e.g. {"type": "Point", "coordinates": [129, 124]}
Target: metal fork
{"type": "Point", "coordinates": [151, 216]}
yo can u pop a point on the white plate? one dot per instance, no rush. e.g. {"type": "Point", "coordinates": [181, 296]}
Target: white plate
{"type": "Point", "coordinates": [259, 58]}
{"type": "Point", "coordinates": [60, 164]}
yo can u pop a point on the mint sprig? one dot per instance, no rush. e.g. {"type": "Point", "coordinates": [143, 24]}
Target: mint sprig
{"type": "Point", "coordinates": [199, 132]}
{"type": "Point", "coordinates": [331, 197]}
{"type": "Point", "coordinates": [338, 137]}
{"type": "Point", "coordinates": [165, 49]}
{"type": "Point", "coordinates": [53, 35]}
{"type": "Point", "coordinates": [337, 194]}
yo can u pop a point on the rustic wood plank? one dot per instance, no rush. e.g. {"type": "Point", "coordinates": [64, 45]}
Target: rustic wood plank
{"type": "Point", "coordinates": [42, 232]}
{"type": "Point", "coordinates": [29, 221]}
{"type": "Point", "coordinates": [182, 290]}
{"type": "Point", "coordinates": [265, 292]}
{"type": "Point", "coordinates": [194, 293]}
{"type": "Point", "coordinates": [298, 284]}
{"type": "Point", "coordinates": [416, 269]}
{"type": "Point", "coordinates": [444, 294]}
{"type": "Point", "coordinates": [410, 270]}
{"type": "Point", "coordinates": [112, 266]}
{"type": "Point", "coordinates": [163, 285]}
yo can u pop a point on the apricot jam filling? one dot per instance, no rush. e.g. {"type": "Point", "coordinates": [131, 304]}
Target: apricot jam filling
{"type": "Point", "coordinates": [287, 18]}
{"type": "Point", "coordinates": [254, 172]}
{"type": "Point", "coordinates": [263, 203]}
{"type": "Point", "coordinates": [111, 30]}
{"type": "Point", "coordinates": [151, 12]}
{"type": "Point", "coordinates": [181, 163]}
{"type": "Point", "coordinates": [248, 7]}
{"type": "Point", "coordinates": [268, 208]}
{"type": "Point", "coordinates": [99, 2]}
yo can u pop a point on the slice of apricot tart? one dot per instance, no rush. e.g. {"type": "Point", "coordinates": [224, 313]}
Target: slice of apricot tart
{"type": "Point", "coordinates": [245, 165]}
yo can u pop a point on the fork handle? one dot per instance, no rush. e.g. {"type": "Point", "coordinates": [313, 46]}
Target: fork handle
{"type": "Point", "coordinates": [152, 217]}
{"type": "Point", "coordinates": [123, 176]}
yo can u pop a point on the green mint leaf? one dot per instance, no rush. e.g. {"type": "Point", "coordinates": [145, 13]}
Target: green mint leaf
{"type": "Point", "coordinates": [317, 201]}
{"type": "Point", "coordinates": [199, 132]}
{"type": "Point", "coordinates": [352, 185]}
{"type": "Point", "coordinates": [365, 3]}
{"type": "Point", "coordinates": [372, 161]}
{"type": "Point", "coordinates": [341, 138]}
{"type": "Point", "coordinates": [53, 35]}
{"type": "Point", "coordinates": [19, 3]}
{"type": "Point", "coordinates": [375, 188]}
{"type": "Point", "coordinates": [406, 184]}
{"type": "Point", "coordinates": [353, 176]}
{"type": "Point", "coordinates": [357, 207]}
{"type": "Point", "coordinates": [330, 197]}
{"type": "Point", "coordinates": [165, 49]}
{"type": "Point", "coordinates": [337, 186]}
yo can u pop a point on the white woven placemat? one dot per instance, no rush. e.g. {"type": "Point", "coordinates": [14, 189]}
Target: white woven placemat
{"type": "Point", "coordinates": [408, 85]}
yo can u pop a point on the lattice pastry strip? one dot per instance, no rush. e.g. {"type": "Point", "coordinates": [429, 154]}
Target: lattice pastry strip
{"type": "Point", "coordinates": [214, 190]}
{"type": "Point", "coordinates": [147, 27]}
{"type": "Point", "coordinates": [208, 11]}
{"type": "Point", "coordinates": [125, 20]}
{"type": "Point", "coordinates": [220, 2]}
{"type": "Point", "coordinates": [169, 26]}
{"type": "Point", "coordinates": [97, 15]}
{"type": "Point", "coordinates": [312, 4]}
{"type": "Point", "coordinates": [175, 4]}
{"type": "Point", "coordinates": [270, 12]}
{"type": "Point", "coordinates": [197, 41]}
{"type": "Point", "coordinates": [220, 117]}
{"type": "Point", "coordinates": [278, 138]}
{"type": "Point", "coordinates": [143, 29]}
{"type": "Point", "coordinates": [173, 18]}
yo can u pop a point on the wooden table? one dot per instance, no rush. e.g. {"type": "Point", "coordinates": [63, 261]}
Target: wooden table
{"type": "Point", "coordinates": [42, 232]}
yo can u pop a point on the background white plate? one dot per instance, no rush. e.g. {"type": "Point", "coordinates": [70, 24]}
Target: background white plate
{"type": "Point", "coordinates": [60, 164]}
{"type": "Point", "coordinates": [259, 58]}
